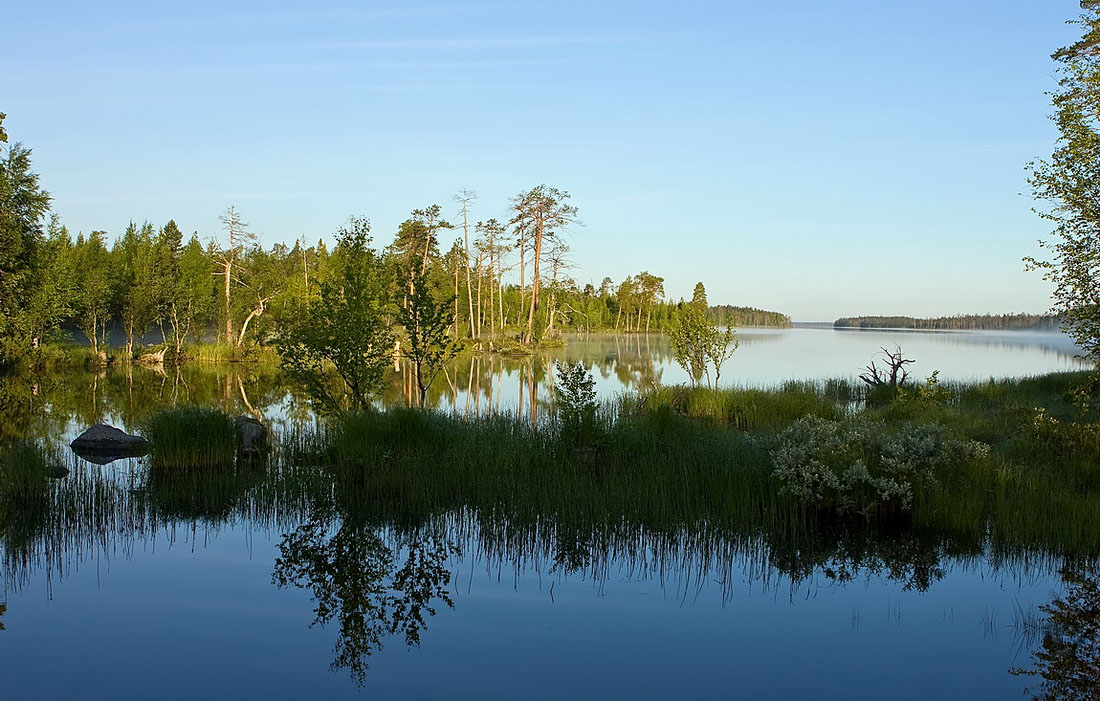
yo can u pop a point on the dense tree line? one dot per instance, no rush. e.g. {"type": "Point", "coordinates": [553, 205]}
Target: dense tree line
{"type": "Point", "coordinates": [961, 322]}
{"type": "Point", "coordinates": [728, 315]}
{"type": "Point", "coordinates": [501, 279]}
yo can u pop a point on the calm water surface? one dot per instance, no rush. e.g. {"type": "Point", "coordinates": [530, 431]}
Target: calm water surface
{"type": "Point", "coordinates": [247, 590]}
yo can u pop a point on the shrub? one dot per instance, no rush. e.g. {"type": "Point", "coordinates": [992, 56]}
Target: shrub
{"type": "Point", "coordinates": [928, 394]}
{"type": "Point", "coordinates": [855, 467]}
{"type": "Point", "coordinates": [1064, 436]}
{"type": "Point", "coordinates": [576, 399]}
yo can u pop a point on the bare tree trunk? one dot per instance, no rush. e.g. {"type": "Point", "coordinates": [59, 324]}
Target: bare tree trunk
{"type": "Point", "coordinates": [534, 283]}
{"type": "Point", "coordinates": [95, 335]}
{"type": "Point", "coordinates": [228, 300]}
{"type": "Point", "coordinates": [500, 294]}
{"type": "Point", "coordinates": [479, 278]}
{"type": "Point", "coordinates": [260, 309]}
{"type": "Point", "coordinates": [455, 323]}
{"type": "Point", "coordinates": [522, 269]}
{"type": "Point", "coordinates": [420, 384]}
{"type": "Point", "coordinates": [464, 198]}
{"type": "Point", "coordinates": [492, 284]}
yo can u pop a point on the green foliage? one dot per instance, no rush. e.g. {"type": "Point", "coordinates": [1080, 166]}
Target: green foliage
{"type": "Point", "coordinates": [576, 402]}
{"type": "Point", "coordinates": [347, 328]}
{"type": "Point", "coordinates": [157, 282]}
{"type": "Point", "coordinates": [698, 345]}
{"type": "Point", "coordinates": [23, 207]}
{"type": "Point", "coordinates": [92, 283]}
{"type": "Point", "coordinates": [689, 336]}
{"type": "Point", "coordinates": [426, 321]}
{"type": "Point", "coordinates": [699, 296]}
{"type": "Point", "coordinates": [929, 393]}
{"type": "Point", "coordinates": [417, 240]}
{"type": "Point", "coordinates": [1069, 184]}
{"type": "Point", "coordinates": [192, 304]}
{"type": "Point", "coordinates": [1070, 437]}
{"type": "Point", "coordinates": [734, 316]}
{"type": "Point", "coordinates": [857, 467]}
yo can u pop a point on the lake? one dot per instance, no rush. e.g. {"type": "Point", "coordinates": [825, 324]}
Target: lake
{"type": "Point", "coordinates": [268, 586]}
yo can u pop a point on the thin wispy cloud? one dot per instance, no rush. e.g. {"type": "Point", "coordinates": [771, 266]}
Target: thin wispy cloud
{"type": "Point", "coordinates": [476, 43]}
{"type": "Point", "coordinates": [399, 65]}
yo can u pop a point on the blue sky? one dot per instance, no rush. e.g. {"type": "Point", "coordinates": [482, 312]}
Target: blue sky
{"type": "Point", "coordinates": [821, 159]}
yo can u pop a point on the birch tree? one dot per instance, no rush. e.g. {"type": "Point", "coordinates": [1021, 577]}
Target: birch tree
{"type": "Point", "coordinates": [1069, 184]}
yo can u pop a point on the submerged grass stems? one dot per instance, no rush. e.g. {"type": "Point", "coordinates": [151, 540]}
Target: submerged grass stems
{"type": "Point", "coordinates": [24, 487]}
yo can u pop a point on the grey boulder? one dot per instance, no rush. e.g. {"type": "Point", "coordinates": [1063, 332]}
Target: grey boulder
{"type": "Point", "coordinates": [102, 444]}
{"type": "Point", "coordinates": [251, 435]}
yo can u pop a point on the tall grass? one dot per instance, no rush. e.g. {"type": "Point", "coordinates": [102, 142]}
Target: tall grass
{"type": "Point", "coordinates": [745, 409]}
{"type": "Point", "coordinates": [231, 353]}
{"type": "Point", "coordinates": [673, 476]}
{"type": "Point", "coordinates": [185, 438]}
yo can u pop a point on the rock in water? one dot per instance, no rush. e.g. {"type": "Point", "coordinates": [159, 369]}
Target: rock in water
{"type": "Point", "coordinates": [251, 435]}
{"type": "Point", "coordinates": [57, 472]}
{"type": "Point", "coordinates": [102, 444]}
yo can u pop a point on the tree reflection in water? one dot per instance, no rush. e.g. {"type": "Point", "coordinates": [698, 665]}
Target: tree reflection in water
{"type": "Point", "coordinates": [354, 579]}
{"type": "Point", "coordinates": [1069, 659]}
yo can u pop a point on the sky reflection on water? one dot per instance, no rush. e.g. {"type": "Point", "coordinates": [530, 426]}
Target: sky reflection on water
{"type": "Point", "coordinates": [140, 592]}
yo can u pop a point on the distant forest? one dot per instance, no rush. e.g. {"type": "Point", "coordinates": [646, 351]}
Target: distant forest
{"type": "Point", "coordinates": [990, 322]}
{"type": "Point", "coordinates": [729, 315]}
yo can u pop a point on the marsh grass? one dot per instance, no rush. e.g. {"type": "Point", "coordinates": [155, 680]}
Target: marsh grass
{"type": "Point", "coordinates": [659, 468]}
{"type": "Point", "coordinates": [744, 409]}
{"type": "Point", "coordinates": [673, 476]}
{"type": "Point", "coordinates": [191, 438]}
{"type": "Point", "coordinates": [679, 457]}
{"type": "Point", "coordinates": [24, 480]}
{"type": "Point", "coordinates": [231, 353]}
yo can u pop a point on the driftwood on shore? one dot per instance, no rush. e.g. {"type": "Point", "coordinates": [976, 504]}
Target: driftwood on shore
{"type": "Point", "coordinates": [153, 358]}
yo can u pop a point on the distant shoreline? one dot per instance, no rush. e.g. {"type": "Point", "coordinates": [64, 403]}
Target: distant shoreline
{"type": "Point", "coordinates": [961, 322]}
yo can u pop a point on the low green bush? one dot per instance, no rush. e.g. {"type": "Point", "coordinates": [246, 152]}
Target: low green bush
{"type": "Point", "coordinates": [862, 468]}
